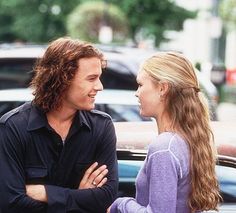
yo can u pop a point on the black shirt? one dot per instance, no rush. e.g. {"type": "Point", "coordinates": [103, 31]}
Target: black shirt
{"type": "Point", "coordinates": [31, 152]}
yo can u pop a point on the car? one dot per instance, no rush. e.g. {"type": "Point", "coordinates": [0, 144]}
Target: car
{"type": "Point", "coordinates": [16, 64]}
{"type": "Point", "coordinates": [130, 162]}
{"type": "Point", "coordinates": [133, 139]}
{"type": "Point", "coordinates": [123, 65]}
{"type": "Point", "coordinates": [121, 105]}
{"type": "Point", "coordinates": [17, 61]}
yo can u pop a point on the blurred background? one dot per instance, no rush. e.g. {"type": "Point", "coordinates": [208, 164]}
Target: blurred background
{"type": "Point", "coordinates": [204, 30]}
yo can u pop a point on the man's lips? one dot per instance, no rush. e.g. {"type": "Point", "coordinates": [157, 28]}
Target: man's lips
{"type": "Point", "coordinates": [92, 95]}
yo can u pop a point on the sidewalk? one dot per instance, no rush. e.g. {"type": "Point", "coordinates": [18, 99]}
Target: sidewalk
{"type": "Point", "coordinates": [226, 112]}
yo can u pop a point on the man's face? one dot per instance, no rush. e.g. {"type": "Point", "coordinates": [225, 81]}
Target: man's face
{"type": "Point", "coordinates": [85, 85]}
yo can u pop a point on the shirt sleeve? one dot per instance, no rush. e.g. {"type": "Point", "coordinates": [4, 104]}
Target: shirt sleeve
{"type": "Point", "coordinates": [162, 171]}
{"type": "Point", "coordinates": [12, 178]}
{"type": "Point", "coordinates": [63, 200]}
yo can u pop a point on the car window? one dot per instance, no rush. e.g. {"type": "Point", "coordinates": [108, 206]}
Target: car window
{"type": "Point", "coordinates": [15, 73]}
{"type": "Point", "coordinates": [9, 105]}
{"type": "Point", "coordinates": [117, 112]}
{"type": "Point", "coordinates": [115, 79]}
{"type": "Point", "coordinates": [227, 180]}
{"type": "Point", "coordinates": [128, 171]}
{"type": "Point", "coordinates": [121, 113]}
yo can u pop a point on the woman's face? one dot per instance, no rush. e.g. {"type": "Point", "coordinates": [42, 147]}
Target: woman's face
{"type": "Point", "coordinates": [148, 94]}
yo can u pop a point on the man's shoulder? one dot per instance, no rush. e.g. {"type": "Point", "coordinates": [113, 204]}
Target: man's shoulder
{"type": "Point", "coordinates": [14, 112]}
{"type": "Point", "coordinates": [95, 118]}
{"type": "Point", "coordinates": [100, 113]}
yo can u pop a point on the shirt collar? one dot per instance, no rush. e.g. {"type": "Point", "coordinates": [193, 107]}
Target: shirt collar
{"type": "Point", "coordinates": [83, 119]}
{"type": "Point", "coordinates": [38, 119]}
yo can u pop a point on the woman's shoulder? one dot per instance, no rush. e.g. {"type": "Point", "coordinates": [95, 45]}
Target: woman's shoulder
{"type": "Point", "coordinates": [170, 145]}
{"type": "Point", "coordinates": [168, 142]}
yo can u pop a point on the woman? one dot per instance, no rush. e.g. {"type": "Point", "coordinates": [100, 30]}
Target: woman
{"type": "Point", "coordinates": [179, 171]}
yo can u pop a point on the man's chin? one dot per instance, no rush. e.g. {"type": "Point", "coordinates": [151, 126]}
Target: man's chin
{"type": "Point", "coordinates": [90, 108]}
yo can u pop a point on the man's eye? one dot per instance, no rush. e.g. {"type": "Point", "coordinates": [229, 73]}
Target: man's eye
{"type": "Point", "coordinates": [92, 79]}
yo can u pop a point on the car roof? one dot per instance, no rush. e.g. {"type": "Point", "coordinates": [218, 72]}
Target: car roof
{"type": "Point", "coordinates": [107, 96]}
{"type": "Point", "coordinates": [21, 51]}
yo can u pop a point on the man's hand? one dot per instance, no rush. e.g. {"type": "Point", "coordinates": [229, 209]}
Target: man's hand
{"type": "Point", "coordinates": [37, 192]}
{"type": "Point", "coordinates": [94, 177]}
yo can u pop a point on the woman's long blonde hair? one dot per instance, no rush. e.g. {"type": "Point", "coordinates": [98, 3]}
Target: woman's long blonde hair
{"type": "Point", "coordinates": [188, 109]}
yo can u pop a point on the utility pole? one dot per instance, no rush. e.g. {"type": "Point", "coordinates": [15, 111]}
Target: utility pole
{"type": "Point", "coordinates": [216, 32]}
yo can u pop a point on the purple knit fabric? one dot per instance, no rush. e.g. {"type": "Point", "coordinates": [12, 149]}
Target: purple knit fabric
{"type": "Point", "coordinates": [162, 185]}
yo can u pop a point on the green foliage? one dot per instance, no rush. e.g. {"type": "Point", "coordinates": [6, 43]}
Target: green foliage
{"type": "Point", "coordinates": [154, 16]}
{"type": "Point", "coordinates": [86, 20]}
{"type": "Point", "coordinates": [43, 20]}
{"type": "Point", "coordinates": [34, 20]}
{"type": "Point", "coordinates": [227, 11]}
{"type": "Point", "coordinates": [198, 66]}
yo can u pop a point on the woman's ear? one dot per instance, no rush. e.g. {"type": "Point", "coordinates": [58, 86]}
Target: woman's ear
{"type": "Point", "coordinates": [164, 88]}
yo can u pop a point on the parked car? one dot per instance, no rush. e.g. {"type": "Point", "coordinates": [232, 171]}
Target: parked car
{"type": "Point", "coordinates": [16, 64]}
{"type": "Point", "coordinates": [133, 139]}
{"type": "Point", "coordinates": [121, 105]}
{"type": "Point", "coordinates": [123, 65]}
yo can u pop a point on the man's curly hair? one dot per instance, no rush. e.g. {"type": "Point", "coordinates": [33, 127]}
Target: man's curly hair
{"type": "Point", "coordinates": [54, 72]}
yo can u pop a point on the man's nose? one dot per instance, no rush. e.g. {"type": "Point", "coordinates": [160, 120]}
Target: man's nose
{"type": "Point", "coordinates": [99, 85]}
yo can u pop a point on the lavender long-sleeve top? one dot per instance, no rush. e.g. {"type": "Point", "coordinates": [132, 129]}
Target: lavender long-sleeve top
{"type": "Point", "coordinates": [163, 183]}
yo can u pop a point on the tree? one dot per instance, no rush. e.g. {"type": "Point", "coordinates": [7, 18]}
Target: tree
{"type": "Point", "coordinates": [44, 20]}
{"type": "Point", "coordinates": [227, 11]}
{"type": "Point", "coordinates": [153, 16]}
{"type": "Point", "coordinates": [33, 21]}
{"type": "Point", "coordinates": [86, 20]}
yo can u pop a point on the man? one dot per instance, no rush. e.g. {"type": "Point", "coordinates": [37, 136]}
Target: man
{"type": "Point", "coordinates": [47, 145]}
